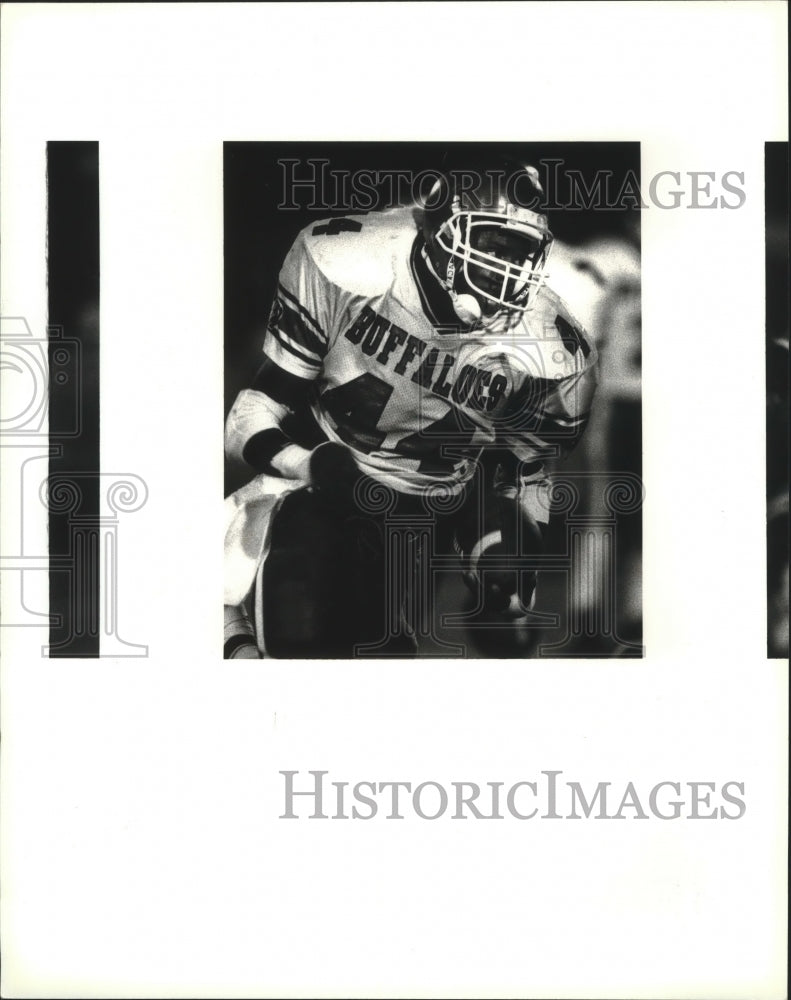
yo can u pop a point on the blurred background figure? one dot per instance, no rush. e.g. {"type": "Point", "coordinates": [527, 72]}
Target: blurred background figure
{"type": "Point", "coordinates": [601, 276]}
{"type": "Point", "coordinates": [600, 601]}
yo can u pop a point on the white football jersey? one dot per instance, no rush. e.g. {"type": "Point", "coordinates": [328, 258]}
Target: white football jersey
{"type": "Point", "coordinates": [418, 402]}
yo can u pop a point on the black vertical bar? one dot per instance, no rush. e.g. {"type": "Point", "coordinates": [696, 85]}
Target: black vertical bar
{"type": "Point", "coordinates": [777, 409]}
{"type": "Point", "coordinates": [73, 301]}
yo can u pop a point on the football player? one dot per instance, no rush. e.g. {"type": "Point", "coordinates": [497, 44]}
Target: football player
{"type": "Point", "coordinates": [416, 365]}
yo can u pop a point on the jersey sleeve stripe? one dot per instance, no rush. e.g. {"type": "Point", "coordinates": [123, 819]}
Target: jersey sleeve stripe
{"type": "Point", "coordinates": [296, 345]}
{"type": "Point", "coordinates": [292, 324]}
{"type": "Point", "coordinates": [289, 345]}
{"type": "Point", "coordinates": [286, 360]}
{"type": "Point", "coordinates": [296, 304]}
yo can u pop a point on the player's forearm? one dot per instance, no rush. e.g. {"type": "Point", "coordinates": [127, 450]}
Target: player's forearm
{"type": "Point", "coordinates": [252, 413]}
{"type": "Point", "coordinates": [253, 434]}
{"type": "Point", "coordinates": [254, 431]}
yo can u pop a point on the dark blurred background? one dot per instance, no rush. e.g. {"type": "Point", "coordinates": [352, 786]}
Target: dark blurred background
{"type": "Point", "coordinates": [777, 415]}
{"type": "Point", "coordinates": [73, 389]}
{"type": "Point", "coordinates": [595, 608]}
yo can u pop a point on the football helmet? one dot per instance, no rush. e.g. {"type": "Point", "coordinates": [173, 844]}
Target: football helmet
{"type": "Point", "coordinates": [485, 247]}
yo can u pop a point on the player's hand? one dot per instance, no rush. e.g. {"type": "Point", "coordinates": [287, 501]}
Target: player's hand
{"type": "Point", "coordinates": [333, 474]}
{"type": "Point", "coordinates": [506, 589]}
{"type": "Point", "coordinates": [498, 565]}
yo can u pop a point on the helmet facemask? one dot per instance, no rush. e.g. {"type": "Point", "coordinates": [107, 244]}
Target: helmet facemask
{"type": "Point", "coordinates": [500, 257]}
{"type": "Point", "coordinates": [488, 253]}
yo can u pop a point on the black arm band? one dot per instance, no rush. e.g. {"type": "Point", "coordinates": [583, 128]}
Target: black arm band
{"type": "Point", "coordinates": [262, 448]}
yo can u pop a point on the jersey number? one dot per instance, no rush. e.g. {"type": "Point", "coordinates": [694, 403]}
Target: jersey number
{"type": "Point", "coordinates": [335, 226]}
{"type": "Point", "coordinates": [357, 406]}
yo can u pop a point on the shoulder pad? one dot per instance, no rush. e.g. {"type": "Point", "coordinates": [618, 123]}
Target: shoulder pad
{"type": "Point", "coordinates": [357, 253]}
{"type": "Point", "coordinates": [566, 347]}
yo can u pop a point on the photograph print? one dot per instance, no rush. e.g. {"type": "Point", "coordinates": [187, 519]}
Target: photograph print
{"type": "Point", "coordinates": [433, 400]}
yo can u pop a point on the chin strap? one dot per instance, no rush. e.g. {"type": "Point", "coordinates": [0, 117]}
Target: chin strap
{"type": "Point", "coordinates": [466, 307]}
